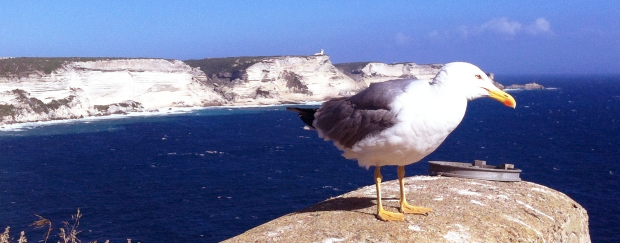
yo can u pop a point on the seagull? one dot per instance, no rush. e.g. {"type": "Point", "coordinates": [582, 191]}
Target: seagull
{"type": "Point", "coordinates": [400, 122]}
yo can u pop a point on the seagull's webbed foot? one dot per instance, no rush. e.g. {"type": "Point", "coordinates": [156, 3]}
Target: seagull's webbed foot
{"type": "Point", "coordinates": [406, 208]}
{"type": "Point", "coordinates": [389, 216]}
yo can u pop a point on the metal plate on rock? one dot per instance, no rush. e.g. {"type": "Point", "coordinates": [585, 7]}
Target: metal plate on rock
{"type": "Point", "coordinates": [478, 170]}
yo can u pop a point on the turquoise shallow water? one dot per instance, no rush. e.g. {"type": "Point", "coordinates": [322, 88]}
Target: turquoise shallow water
{"type": "Point", "coordinates": [207, 175]}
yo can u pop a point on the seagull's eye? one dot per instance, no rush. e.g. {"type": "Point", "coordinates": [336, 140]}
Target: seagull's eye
{"type": "Point", "coordinates": [478, 76]}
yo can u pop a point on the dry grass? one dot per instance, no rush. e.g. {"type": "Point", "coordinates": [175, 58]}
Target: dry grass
{"type": "Point", "coordinates": [5, 238]}
{"type": "Point", "coordinates": [68, 233]}
{"type": "Point", "coordinates": [42, 222]}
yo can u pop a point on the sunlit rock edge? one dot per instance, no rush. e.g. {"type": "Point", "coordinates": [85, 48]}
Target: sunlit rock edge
{"type": "Point", "coordinates": [464, 210]}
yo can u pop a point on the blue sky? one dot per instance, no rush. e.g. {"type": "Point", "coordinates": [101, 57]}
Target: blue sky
{"type": "Point", "coordinates": [505, 37]}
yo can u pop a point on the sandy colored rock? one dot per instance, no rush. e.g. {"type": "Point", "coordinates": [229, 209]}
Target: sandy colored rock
{"type": "Point", "coordinates": [294, 78]}
{"type": "Point", "coordinates": [155, 83]}
{"type": "Point", "coordinates": [465, 210]}
{"type": "Point", "coordinates": [103, 87]}
{"type": "Point", "coordinates": [376, 72]}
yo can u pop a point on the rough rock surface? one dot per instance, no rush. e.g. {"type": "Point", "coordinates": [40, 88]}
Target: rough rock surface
{"type": "Point", "coordinates": [373, 72]}
{"type": "Point", "coordinates": [465, 210]}
{"type": "Point", "coordinates": [291, 79]}
{"type": "Point", "coordinates": [380, 72]}
{"type": "Point", "coordinates": [103, 87]}
{"type": "Point", "coordinates": [111, 86]}
{"type": "Point", "coordinates": [152, 82]}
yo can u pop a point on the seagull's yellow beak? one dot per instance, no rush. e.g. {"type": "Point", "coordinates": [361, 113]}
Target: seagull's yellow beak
{"type": "Point", "coordinates": [503, 97]}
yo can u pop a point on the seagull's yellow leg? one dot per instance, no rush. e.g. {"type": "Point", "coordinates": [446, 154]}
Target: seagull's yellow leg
{"type": "Point", "coordinates": [404, 206]}
{"type": "Point", "coordinates": [382, 214]}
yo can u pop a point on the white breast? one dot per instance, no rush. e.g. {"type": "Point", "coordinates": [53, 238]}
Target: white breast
{"type": "Point", "coordinates": [425, 118]}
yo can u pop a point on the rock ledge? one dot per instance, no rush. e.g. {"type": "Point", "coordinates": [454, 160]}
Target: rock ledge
{"type": "Point", "coordinates": [465, 210]}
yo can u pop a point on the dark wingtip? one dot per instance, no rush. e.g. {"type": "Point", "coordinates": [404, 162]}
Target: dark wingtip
{"type": "Point", "coordinates": [305, 114]}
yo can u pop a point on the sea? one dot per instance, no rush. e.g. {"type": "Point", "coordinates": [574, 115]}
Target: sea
{"type": "Point", "coordinates": [206, 175]}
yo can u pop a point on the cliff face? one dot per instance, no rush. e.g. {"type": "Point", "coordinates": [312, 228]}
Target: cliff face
{"type": "Point", "coordinates": [40, 89]}
{"type": "Point", "coordinates": [290, 79]}
{"type": "Point", "coordinates": [374, 72]}
{"type": "Point", "coordinates": [79, 89]}
{"type": "Point", "coordinates": [380, 72]}
{"type": "Point", "coordinates": [155, 83]}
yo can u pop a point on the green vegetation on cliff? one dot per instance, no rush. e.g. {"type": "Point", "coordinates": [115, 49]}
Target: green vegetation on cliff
{"type": "Point", "coordinates": [6, 110]}
{"type": "Point", "coordinates": [24, 66]}
{"type": "Point", "coordinates": [221, 66]}
{"type": "Point", "coordinates": [30, 104]}
{"type": "Point", "coordinates": [352, 69]}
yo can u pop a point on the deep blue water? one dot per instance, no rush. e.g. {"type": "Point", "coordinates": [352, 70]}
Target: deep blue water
{"type": "Point", "coordinates": [208, 175]}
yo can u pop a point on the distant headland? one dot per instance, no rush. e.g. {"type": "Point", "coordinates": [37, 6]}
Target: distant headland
{"type": "Point", "coordinates": [44, 89]}
{"type": "Point", "coordinates": [528, 86]}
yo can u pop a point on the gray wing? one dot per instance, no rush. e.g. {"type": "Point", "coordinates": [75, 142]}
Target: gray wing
{"type": "Point", "coordinates": [350, 120]}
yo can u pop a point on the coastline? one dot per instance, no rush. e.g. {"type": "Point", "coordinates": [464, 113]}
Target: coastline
{"type": "Point", "coordinates": [165, 111]}
{"type": "Point", "coordinates": [546, 88]}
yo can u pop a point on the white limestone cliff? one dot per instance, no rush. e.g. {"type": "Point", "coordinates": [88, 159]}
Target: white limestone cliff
{"type": "Point", "coordinates": [292, 79]}
{"type": "Point", "coordinates": [380, 72]}
{"type": "Point", "coordinates": [91, 88]}
{"type": "Point", "coordinates": [80, 88]}
{"type": "Point", "coordinates": [155, 83]}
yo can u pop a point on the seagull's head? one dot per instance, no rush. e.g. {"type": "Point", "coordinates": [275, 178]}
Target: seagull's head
{"type": "Point", "coordinates": [469, 80]}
